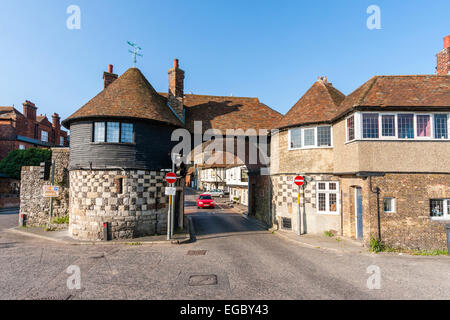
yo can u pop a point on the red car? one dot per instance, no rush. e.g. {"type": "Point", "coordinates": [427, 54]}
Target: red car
{"type": "Point", "coordinates": [205, 201]}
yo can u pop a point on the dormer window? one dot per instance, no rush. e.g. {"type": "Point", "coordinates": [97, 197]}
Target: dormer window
{"type": "Point", "coordinates": [113, 132]}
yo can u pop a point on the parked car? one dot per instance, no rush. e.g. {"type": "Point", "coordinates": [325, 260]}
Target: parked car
{"type": "Point", "coordinates": [216, 193]}
{"type": "Point", "coordinates": [205, 201]}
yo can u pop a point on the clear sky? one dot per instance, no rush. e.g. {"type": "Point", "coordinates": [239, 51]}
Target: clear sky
{"type": "Point", "coordinates": [273, 50]}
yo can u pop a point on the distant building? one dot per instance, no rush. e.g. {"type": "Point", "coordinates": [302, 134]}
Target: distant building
{"type": "Point", "coordinates": [23, 131]}
{"type": "Point", "coordinates": [237, 183]}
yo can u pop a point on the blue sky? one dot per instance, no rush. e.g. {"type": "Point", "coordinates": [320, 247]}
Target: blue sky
{"type": "Point", "coordinates": [273, 50]}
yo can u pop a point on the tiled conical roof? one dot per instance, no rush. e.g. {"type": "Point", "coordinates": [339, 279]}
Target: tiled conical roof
{"type": "Point", "coordinates": [130, 96]}
{"type": "Point", "coordinates": [319, 104]}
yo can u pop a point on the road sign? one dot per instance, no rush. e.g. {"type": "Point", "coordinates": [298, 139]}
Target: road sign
{"type": "Point", "coordinates": [171, 177]}
{"type": "Point", "coordinates": [171, 191]}
{"type": "Point", "coordinates": [51, 191]}
{"type": "Point", "coordinates": [299, 180]}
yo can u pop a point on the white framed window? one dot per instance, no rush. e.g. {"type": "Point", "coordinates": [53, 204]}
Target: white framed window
{"type": "Point", "coordinates": [44, 136]}
{"type": "Point", "coordinates": [99, 132]}
{"type": "Point", "coordinates": [113, 132]}
{"type": "Point", "coordinates": [327, 197]}
{"type": "Point", "coordinates": [440, 209]}
{"type": "Point", "coordinates": [295, 138]}
{"type": "Point", "coordinates": [61, 141]}
{"type": "Point", "coordinates": [389, 205]}
{"type": "Point", "coordinates": [420, 126]}
{"type": "Point", "coordinates": [311, 137]}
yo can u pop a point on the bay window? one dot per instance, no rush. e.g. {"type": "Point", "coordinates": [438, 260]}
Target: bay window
{"type": "Point", "coordinates": [99, 132]}
{"type": "Point", "coordinates": [296, 138]}
{"type": "Point", "coordinates": [324, 136]}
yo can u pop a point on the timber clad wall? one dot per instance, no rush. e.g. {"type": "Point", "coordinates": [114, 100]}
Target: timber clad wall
{"type": "Point", "coordinates": [150, 150]}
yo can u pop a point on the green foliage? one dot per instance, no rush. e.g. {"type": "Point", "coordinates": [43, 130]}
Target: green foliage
{"type": "Point", "coordinates": [13, 162]}
{"type": "Point", "coordinates": [328, 234]}
{"type": "Point", "coordinates": [61, 220]}
{"type": "Point", "coordinates": [376, 245]}
{"type": "Point", "coordinates": [430, 253]}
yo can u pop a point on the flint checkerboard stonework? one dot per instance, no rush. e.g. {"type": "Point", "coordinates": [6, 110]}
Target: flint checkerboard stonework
{"type": "Point", "coordinates": [132, 201]}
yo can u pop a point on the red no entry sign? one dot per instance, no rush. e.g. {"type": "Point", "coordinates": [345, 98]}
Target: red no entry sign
{"type": "Point", "coordinates": [299, 180]}
{"type": "Point", "coordinates": [171, 177]}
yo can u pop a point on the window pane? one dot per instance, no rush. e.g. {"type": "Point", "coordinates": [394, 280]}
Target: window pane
{"type": "Point", "coordinates": [370, 125]}
{"type": "Point", "coordinates": [406, 126]}
{"type": "Point", "coordinates": [440, 126]}
{"type": "Point", "coordinates": [322, 186]}
{"type": "Point", "coordinates": [437, 208]}
{"type": "Point", "coordinates": [99, 132]}
{"type": "Point", "coordinates": [332, 186]}
{"type": "Point", "coordinates": [310, 139]}
{"type": "Point", "coordinates": [333, 202]}
{"type": "Point", "coordinates": [388, 126]}
{"type": "Point", "coordinates": [126, 133]}
{"type": "Point", "coordinates": [113, 132]}
{"type": "Point", "coordinates": [351, 128]}
{"type": "Point", "coordinates": [388, 205]}
{"type": "Point", "coordinates": [322, 202]}
{"type": "Point", "coordinates": [423, 126]}
{"type": "Point", "coordinates": [296, 138]}
{"type": "Point", "coordinates": [324, 136]}
{"type": "Point", "coordinates": [44, 136]}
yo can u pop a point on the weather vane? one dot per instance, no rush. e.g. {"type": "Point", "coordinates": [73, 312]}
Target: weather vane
{"type": "Point", "coordinates": [135, 53]}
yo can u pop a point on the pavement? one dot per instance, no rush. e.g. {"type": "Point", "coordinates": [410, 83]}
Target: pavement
{"type": "Point", "coordinates": [241, 259]}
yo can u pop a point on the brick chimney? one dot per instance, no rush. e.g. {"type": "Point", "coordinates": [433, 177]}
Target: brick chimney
{"type": "Point", "coordinates": [176, 88]}
{"type": "Point", "coordinates": [55, 121]}
{"type": "Point", "coordinates": [109, 77]}
{"type": "Point", "coordinates": [443, 58]}
{"type": "Point", "coordinates": [29, 110]}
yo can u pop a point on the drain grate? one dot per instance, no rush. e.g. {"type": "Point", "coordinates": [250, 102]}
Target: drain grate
{"type": "Point", "coordinates": [196, 252]}
{"type": "Point", "coordinates": [203, 280]}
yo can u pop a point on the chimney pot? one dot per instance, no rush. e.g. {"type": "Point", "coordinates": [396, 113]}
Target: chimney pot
{"type": "Point", "coordinates": [176, 63]}
{"type": "Point", "coordinates": [109, 77]}
{"type": "Point", "coordinates": [110, 68]}
{"type": "Point", "coordinates": [447, 42]}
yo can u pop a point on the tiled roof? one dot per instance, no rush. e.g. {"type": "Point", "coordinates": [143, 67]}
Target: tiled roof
{"type": "Point", "coordinates": [229, 113]}
{"type": "Point", "coordinates": [7, 113]}
{"type": "Point", "coordinates": [427, 91]}
{"type": "Point", "coordinates": [130, 96]}
{"type": "Point", "coordinates": [318, 104]}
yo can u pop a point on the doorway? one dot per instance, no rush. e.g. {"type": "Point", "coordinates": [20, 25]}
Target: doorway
{"type": "Point", "coordinates": [359, 213]}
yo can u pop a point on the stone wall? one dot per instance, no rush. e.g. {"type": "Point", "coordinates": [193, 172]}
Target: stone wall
{"type": "Point", "coordinates": [32, 202]}
{"type": "Point", "coordinates": [133, 202]}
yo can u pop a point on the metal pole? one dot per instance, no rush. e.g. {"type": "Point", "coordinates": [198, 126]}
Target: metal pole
{"type": "Point", "coordinates": [298, 214]}
{"type": "Point", "coordinates": [52, 181]}
{"type": "Point", "coordinates": [172, 211]}
{"type": "Point", "coordinates": [168, 218]}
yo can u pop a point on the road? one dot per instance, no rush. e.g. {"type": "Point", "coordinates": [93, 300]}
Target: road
{"type": "Point", "coordinates": [247, 262]}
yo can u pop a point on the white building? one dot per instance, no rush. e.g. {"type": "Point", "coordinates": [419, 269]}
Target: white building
{"type": "Point", "coordinates": [212, 178]}
{"type": "Point", "coordinates": [237, 183]}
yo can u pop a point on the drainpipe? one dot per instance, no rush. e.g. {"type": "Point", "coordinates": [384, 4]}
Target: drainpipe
{"type": "Point", "coordinates": [377, 191]}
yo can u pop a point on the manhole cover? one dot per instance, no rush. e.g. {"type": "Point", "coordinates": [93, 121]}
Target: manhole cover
{"type": "Point", "coordinates": [206, 280]}
{"type": "Point", "coordinates": [196, 252]}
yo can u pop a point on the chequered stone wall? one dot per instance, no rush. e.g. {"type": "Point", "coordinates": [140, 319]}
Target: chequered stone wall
{"type": "Point", "coordinates": [132, 201]}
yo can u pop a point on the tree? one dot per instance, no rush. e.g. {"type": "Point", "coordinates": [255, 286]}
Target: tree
{"type": "Point", "coordinates": [12, 164]}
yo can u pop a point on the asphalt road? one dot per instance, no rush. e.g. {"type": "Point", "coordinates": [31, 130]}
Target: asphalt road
{"type": "Point", "coordinates": [248, 262]}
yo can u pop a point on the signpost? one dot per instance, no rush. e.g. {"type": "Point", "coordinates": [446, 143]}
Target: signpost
{"type": "Point", "coordinates": [50, 191]}
{"type": "Point", "coordinates": [299, 181]}
{"type": "Point", "coordinates": [171, 191]}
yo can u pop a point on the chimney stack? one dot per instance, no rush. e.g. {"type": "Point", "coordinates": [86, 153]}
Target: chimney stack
{"type": "Point", "coordinates": [29, 110]}
{"type": "Point", "coordinates": [176, 88]}
{"type": "Point", "coordinates": [443, 59]}
{"type": "Point", "coordinates": [56, 121]}
{"type": "Point", "coordinates": [109, 77]}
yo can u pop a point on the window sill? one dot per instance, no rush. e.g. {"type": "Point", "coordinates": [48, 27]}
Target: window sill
{"type": "Point", "coordinates": [114, 143]}
{"type": "Point", "coordinates": [310, 148]}
{"type": "Point", "coordinates": [328, 213]}
{"type": "Point", "coordinates": [398, 140]}
{"type": "Point", "coordinates": [447, 219]}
